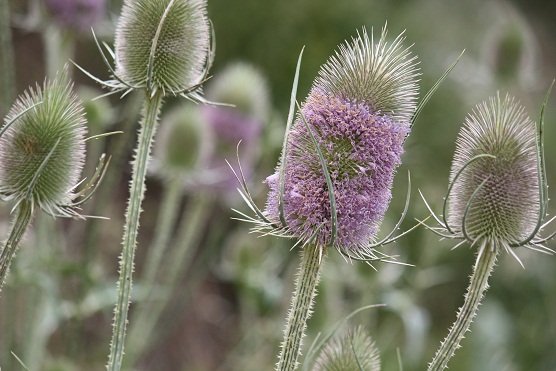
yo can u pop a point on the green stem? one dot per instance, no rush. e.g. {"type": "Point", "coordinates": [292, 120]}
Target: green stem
{"type": "Point", "coordinates": [136, 194]}
{"type": "Point", "coordinates": [22, 221]}
{"type": "Point", "coordinates": [149, 314]}
{"type": "Point", "coordinates": [302, 302]}
{"type": "Point", "coordinates": [7, 65]}
{"type": "Point", "coordinates": [477, 288]}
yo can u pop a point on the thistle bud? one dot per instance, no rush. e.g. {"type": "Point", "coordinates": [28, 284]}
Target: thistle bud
{"type": "Point", "coordinates": [162, 44]}
{"type": "Point", "coordinates": [42, 152]}
{"type": "Point", "coordinates": [359, 110]}
{"type": "Point", "coordinates": [354, 350]}
{"type": "Point", "coordinates": [495, 198]}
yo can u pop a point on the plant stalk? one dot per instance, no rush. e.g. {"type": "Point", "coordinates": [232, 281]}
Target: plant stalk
{"type": "Point", "coordinates": [477, 288]}
{"type": "Point", "coordinates": [301, 307]}
{"type": "Point", "coordinates": [19, 226]}
{"type": "Point", "coordinates": [136, 194]}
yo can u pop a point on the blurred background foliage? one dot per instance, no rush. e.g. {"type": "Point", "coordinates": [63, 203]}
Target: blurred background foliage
{"type": "Point", "coordinates": [226, 309]}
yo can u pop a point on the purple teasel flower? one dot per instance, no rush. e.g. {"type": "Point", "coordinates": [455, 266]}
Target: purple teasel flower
{"type": "Point", "coordinates": [333, 183]}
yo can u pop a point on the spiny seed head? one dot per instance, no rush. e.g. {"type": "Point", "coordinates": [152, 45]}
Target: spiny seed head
{"type": "Point", "coordinates": [382, 75]}
{"type": "Point", "coordinates": [177, 34]}
{"type": "Point", "coordinates": [506, 207]}
{"type": "Point", "coordinates": [47, 139]}
{"type": "Point", "coordinates": [353, 351]}
{"type": "Point", "coordinates": [244, 87]}
{"type": "Point", "coordinates": [360, 135]}
{"type": "Point", "coordinates": [184, 141]}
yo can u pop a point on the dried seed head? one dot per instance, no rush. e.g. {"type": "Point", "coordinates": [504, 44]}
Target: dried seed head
{"type": "Point", "coordinates": [497, 198]}
{"type": "Point", "coordinates": [162, 44]}
{"type": "Point", "coordinates": [42, 153]}
{"type": "Point", "coordinates": [354, 350]}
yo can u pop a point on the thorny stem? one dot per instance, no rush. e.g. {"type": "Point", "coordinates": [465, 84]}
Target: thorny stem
{"type": "Point", "coordinates": [19, 226]}
{"type": "Point", "coordinates": [301, 307]}
{"type": "Point", "coordinates": [477, 288]}
{"type": "Point", "coordinates": [136, 194]}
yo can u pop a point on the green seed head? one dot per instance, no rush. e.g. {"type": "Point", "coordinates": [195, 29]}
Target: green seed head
{"type": "Point", "coordinates": [499, 196]}
{"type": "Point", "coordinates": [42, 152]}
{"type": "Point", "coordinates": [355, 350]}
{"type": "Point", "coordinates": [162, 44]}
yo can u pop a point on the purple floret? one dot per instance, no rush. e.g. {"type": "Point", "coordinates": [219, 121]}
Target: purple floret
{"type": "Point", "coordinates": [77, 14]}
{"type": "Point", "coordinates": [361, 148]}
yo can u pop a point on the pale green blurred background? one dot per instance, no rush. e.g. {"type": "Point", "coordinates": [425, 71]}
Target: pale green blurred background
{"type": "Point", "coordinates": [228, 313]}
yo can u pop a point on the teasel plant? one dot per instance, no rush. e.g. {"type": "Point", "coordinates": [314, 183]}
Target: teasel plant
{"type": "Point", "coordinates": [496, 200]}
{"type": "Point", "coordinates": [42, 153]}
{"type": "Point", "coordinates": [163, 48]}
{"type": "Point", "coordinates": [333, 182]}
{"type": "Point", "coordinates": [353, 350]}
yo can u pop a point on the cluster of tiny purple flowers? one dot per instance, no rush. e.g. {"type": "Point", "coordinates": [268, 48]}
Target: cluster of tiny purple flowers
{"type": "Point", "coordinates": [362, 149]}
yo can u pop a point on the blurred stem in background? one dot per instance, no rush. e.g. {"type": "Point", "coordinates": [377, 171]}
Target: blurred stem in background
{"type": "Point", "coordinates": [7, 67]}
{"type": "Point", "coordinates": [173, 261]}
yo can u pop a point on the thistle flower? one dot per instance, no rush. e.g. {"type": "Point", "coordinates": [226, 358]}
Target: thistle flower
{"type": "Point", "coordinates": [42, 153]}
{"type": "Point", "coordinates": [355, 350]}
{"type": "Point", "coordinates": [497, 198]}
{"type": "Point", "coordinates": [80, 15]}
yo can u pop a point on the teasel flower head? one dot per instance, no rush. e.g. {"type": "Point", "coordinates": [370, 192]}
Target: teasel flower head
{"type": "Point", "coordinates": [79, 15]}
{"type": "Point", "coordinates": [497, 194]}
{"type": "Point", "coordinates": [333, 183]}
{"type": "Point", "coordinates": [42, 150]}
{"type": "Point", "coordinates": [161, 46]}
{"type": "Point", "coordinates": [353, 350]}
{"type": "Point", "coordinates": [245, 89]}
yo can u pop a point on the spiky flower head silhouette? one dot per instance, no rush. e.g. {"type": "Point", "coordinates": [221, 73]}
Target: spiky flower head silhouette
{"type": "Point", "coordinates": [161, 46]}
{"type": "Point", "coordinates": [497, 195]}
{"type": "Point", "coordinates": [42, 149]}
{"type": "Point", "coordinates": [354, 350]}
